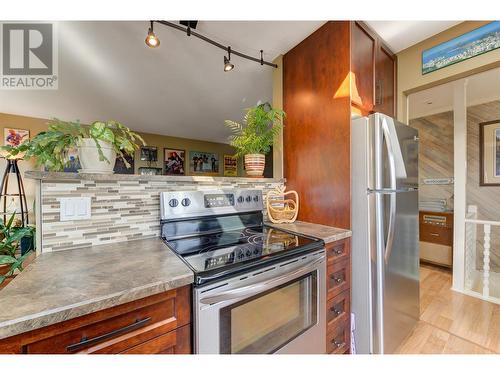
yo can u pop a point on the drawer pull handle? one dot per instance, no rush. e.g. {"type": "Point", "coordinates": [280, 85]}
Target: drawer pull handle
{"type": "Point", "coordinates": [434, 234]}
{"type": "Point", "coordinates": [87, 342]}
{"type": "Point", "coordinates": [338, 250]}
{"type": "Point", "coordinates": [335, 311]}
{"type": "Point", "coordinates": [337, 344]}
{"type": "Point", "coordinates": [338, 280]}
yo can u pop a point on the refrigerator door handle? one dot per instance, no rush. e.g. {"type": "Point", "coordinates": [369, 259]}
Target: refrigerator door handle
{"type": "Point", "coordinates": [392, 177]}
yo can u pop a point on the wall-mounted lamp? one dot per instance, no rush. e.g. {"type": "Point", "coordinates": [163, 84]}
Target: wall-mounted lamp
{"type": "Point", "coordinates": [152, 40]}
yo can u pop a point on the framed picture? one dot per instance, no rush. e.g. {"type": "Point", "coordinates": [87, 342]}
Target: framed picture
{"type": "Point", "coordinates": [203, 162]}
{"type": "Point", "coordinates": [173, 161]}
{"type": "Point", "coordinates": [148, 171]}
{"type": "Point", "coordinates": [14, 137]}
{"type": "Point", "coordinates": [489, 157]}
{"type": "Point", "coordinates": [476, 42]}
{"type": "Point", "coordinates": [230, 166]}
{"type": "Point", "coordinates": [149, 153]}
{"type": "Point", "coordinates": [121, 168]}
{"type": "Point", "coordinates": [73, 161]}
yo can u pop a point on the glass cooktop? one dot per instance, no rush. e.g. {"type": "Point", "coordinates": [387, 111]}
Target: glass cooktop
{"type": "Point", "coordinates": [215, 255]}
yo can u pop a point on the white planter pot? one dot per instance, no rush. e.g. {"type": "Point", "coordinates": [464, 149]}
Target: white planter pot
{"type": "Point", "coordinates": [89, 157]}
{"type": "Point", "coordinates": [255, 164]}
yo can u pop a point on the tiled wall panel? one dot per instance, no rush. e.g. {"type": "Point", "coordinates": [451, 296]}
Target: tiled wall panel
{"type": "Point", "coordinates": [120, 210]}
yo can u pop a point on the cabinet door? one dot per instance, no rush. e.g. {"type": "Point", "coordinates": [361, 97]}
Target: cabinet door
{"type": "Point", "coordinates": [363, 67]}
{"type": "Point", "coordinates": [385, 82]}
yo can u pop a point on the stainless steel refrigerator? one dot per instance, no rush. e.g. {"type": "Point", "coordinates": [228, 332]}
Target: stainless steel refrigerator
{"type": "Point", "coordinates": [385, 253]}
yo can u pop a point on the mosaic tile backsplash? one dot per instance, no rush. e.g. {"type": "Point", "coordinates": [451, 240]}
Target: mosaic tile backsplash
{"type": "Point", "coordinates": [121, 210]}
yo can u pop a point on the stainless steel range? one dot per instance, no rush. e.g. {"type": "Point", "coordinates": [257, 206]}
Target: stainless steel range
{"type": "Point", "coordinates": [257, 289]}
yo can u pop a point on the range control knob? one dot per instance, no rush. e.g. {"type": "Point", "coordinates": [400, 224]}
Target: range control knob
{"type": "Point", "coordinates": [186, 202]}
{"type": "Point", "coordinates": [248, 253]}
{"type": "Point", "coordinates": [249, 199]}
{"type": "Point", "coordinates": [256, 198]}
{"type": "Point", "coordinates": [241, 199]}
{"type": "Point", "coordinates": [173, 202]}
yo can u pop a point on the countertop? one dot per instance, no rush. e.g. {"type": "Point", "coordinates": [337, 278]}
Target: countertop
{"type": "Point", "coordinates": [323, 232]}
{"type": "Point", "coordinates": [68, 176]}
{"type": "Point", "coordinates": [62, 285]}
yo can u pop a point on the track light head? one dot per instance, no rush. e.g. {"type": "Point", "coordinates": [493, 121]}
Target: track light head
{"type": "Point", "coordinates": [227, 64]}
{"type": "Point", "coordinates": [227, 61]}
{"type": "Point", "coordinates": [152, 40]}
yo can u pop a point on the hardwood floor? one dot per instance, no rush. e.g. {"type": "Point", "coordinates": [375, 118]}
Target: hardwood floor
{"type": "Point", "coordinates": [451, 322]}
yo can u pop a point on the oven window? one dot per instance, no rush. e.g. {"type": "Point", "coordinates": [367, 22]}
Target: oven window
{"type": "Point", "coordinates": [268, 321]}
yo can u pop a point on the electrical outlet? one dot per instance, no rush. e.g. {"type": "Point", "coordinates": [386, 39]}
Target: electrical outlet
{"type": "Point", "coordinates": [75, 208]}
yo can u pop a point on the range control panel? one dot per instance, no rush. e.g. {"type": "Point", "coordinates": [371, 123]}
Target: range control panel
{"type": "Point", "coordinates": [182, 204]}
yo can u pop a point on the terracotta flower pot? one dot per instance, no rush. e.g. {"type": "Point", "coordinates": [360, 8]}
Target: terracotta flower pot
{"type": "Point", "coordinates": [255, 164]}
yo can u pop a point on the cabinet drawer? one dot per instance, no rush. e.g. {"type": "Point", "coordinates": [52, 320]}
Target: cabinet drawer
{"type": "Point", "coordinates": [114, 330]}
{"type": "Point", "coordinates": [436, 234]}
{"type": "Point", "coordinates": [338, 278]}
{"type": "Point", "coordinates": [174, 342]}
{"type": "Point", "coordinates": [338, 338]}
{"type": "Point", "coordinates": [338, 250]}
{"type": "Point", "coordinates": [338, 308]}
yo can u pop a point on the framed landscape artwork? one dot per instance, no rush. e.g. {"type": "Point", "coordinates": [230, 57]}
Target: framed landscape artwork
{"type": "Point", "coordinates": [14, 137]}
{"type": "Point", "coordinates": [203, 163]}
{"type": "Point", "coordinates": [489, 149]}
{"type": "Point", "coordinates": [230, 166]}
{"type": "Point", "coordinates": [476, 42]}
{"type": "Point", "coordinates": [173, 161]}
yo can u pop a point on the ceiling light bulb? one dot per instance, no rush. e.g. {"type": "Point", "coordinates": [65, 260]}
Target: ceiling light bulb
{"type": "Point", "coordinates": [152, 40]}
{"type": "Point", "coordinates": [227, 64]}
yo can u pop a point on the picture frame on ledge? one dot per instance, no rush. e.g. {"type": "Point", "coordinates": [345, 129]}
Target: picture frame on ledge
{"type": "Point", "coordinates": [149, 153]}
{"type": "Point", "coordinates": [489, 153]}
{"type": "Point", "coordinates": [174, 162]}
{"type": "Point", "coordinates": [230, 166]}
{"type": "Point", "coordinates": [149, 171]}
{"type": "Point", "coordinates": [121, 168]}
{"type": "Point", "coordinates": [204, 163]}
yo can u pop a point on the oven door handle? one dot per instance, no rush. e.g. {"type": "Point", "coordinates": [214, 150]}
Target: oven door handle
{"type": "Point", "coordinates": [252, 289]}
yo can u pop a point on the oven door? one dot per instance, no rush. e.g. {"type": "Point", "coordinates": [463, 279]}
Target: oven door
{"type": "Point", "coordinates": [275, 309]}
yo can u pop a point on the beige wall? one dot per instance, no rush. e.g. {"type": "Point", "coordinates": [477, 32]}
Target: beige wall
{"type": "Point", "coordinates": [36, 125]}
{"type": "Point", "coordinates": [410, 78]}
{"type": "Point", "coordinates": [278, 103]}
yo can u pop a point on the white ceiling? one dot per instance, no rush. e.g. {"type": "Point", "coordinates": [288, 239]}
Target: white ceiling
{"type": "Point", "coordinates": [400, 35]}
{"type": "Point", "coordinates": [180, 89]}
{"type": "Point", "coordinates": [481, 88]}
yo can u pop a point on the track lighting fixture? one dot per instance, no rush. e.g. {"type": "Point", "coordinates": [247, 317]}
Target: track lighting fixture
{"type": "Point", "coordinates": [227, 61]}
{"type": "Point", "coordinates": [189, 28]}
{"type": "Point", "coordinates": [152, 40]}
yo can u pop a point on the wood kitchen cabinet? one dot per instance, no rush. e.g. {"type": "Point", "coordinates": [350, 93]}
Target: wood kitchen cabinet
{"type": "Point", "coordinates": [340, 69]}
{"type": "Point", "coordinates": [156, 324]}
{"type": "Point", "coordinates": [338, 305]}
{"type": "Point", "coordinates": [373, 67]}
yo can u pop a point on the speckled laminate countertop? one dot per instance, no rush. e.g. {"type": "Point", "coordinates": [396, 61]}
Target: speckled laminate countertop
{"type": "Point", "coordinates": [323, 232]}
{"type": "Point", "coordinates": [63, 285]}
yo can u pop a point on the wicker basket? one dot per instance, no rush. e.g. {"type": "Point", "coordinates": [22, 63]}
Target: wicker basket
{"type": "Point", "coordinates": [280, 209]}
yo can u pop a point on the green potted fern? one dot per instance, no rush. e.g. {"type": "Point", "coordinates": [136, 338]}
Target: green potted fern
{"type": "Point", "coordinates": [98, 145]}
{"type": "Point", "coordinates": [254, 138]}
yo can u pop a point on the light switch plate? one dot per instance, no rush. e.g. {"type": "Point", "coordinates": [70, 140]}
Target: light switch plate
{"type": "Point", "coordinates": [77, 208]}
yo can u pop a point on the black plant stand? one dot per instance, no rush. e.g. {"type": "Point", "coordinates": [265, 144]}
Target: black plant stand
{"type": "Point", "coordinates": [12, 168]}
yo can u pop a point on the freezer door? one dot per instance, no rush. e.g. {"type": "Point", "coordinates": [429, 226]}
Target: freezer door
{"type": "Point", "coordinates": [394, 143]}
{"type": "Point", "coordinates": [397, 269]}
